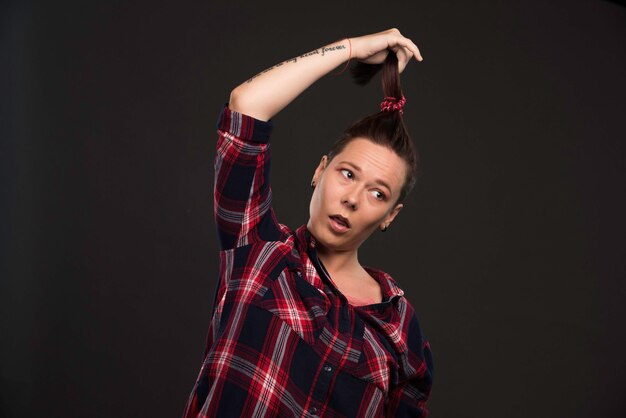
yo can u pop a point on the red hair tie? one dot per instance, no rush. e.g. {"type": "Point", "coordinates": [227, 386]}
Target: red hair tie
{"type": "Point", "coordinates": [391, 104]}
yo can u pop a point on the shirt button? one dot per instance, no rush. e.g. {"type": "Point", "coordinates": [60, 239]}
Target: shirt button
{"type": "Point", "coordinates": [328, 368]}
{"type": "Point", "coordinates": [299, 273]}
{"type": "Point", "coordinates": [314, 410]}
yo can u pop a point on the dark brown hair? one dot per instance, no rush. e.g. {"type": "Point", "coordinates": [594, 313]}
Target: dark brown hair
{"type": "Point", "coordinates": [383, 128]}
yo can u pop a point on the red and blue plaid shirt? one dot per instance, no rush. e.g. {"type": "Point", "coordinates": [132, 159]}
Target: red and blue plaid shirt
{"type": "Point", "coordinates": [283, 341]}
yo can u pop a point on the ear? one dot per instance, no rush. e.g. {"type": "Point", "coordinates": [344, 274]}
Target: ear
{"type": "Point", "coordinates": [320, 169]}
{"type": "Point", "coordinates": [389, 218]}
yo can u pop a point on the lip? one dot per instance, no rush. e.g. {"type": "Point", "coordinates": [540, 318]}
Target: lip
{"type": "Point", "coordinates": [337, 225]}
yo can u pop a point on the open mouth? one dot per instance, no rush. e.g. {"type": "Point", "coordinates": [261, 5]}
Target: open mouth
{"type": "Point", "coordinates": [341, 221]}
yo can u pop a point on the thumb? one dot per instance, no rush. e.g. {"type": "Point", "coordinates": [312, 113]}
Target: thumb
{"type": "Point", "coordinates": [404, 56]}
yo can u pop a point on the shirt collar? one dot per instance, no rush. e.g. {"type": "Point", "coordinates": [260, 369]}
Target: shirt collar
{"type": "Point", "coordinates": [306, 243]}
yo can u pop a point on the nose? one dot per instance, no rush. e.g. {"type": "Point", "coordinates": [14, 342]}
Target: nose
{"type": "Point", "coordinates": [349, 199]}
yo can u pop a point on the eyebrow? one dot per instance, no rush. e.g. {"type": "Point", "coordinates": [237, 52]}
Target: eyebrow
{"type": "Point", "coordinates": [357, 168]}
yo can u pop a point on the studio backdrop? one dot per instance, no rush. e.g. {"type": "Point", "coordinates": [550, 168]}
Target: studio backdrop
{"type": "Point", "coordinates": [511, 247]}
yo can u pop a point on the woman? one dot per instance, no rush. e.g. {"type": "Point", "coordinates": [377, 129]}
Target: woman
{"type": "Point", "coordinates": [300, 327]}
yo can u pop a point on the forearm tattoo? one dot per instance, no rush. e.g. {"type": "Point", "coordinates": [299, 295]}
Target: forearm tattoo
{"type": "Point", "coordinates": [321, 52]}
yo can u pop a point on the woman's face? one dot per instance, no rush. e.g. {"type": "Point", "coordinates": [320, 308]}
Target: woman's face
{"type": "Point", "coordinates": [355, 194]}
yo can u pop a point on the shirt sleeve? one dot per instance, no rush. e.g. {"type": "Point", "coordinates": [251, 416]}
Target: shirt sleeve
{"type": "Point", "coordinates": [409, 398]}
{"type": "Point", "coordinates": [242, 194]}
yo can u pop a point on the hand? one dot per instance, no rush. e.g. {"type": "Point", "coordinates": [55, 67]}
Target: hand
{"type": "Point", "coordinates": [373, 49]}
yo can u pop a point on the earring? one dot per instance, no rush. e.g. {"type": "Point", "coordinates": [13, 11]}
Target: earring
{"type": "Point", "coordinates": [385, 228]}
{"type": "Point", "coordinates": [313, 184]}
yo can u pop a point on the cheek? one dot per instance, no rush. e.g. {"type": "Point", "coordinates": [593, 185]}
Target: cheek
{"type": "Point", "coordinates": [316, 202]}
{"type": "Point", "coordinates": [321, 197]}
{"type": "Point", "coordinates": [372, 221]}
{"type": "Point", "coordinates": [375, 216]}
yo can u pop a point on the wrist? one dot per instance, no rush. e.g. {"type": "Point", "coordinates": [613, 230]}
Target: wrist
{"type": "Point", "coordinates": [350, 54]}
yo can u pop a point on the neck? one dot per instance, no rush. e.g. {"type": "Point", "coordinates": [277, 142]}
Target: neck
{"type": "Point", "coordinates": [338, 261]}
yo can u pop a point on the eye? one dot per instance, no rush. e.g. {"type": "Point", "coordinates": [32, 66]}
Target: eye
{"type": "Point", "coordinates": [347, 173]}
{"type": "Point", "coordinates": [378, 195]}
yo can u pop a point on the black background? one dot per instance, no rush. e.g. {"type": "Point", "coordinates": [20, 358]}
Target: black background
{"type": "Point", "coordinates": [511, 247]}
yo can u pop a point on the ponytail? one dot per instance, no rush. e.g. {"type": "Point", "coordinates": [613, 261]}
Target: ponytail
{"type": "Point", "coordinates": [385, 127]}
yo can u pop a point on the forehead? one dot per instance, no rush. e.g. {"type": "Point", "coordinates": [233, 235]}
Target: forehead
{"type": "Point", "coordinates": [375, 161]}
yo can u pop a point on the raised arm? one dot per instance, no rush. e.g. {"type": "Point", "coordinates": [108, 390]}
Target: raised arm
{"type": "Point", "coordinates": [243, 197]}
{"type": "Point", "coordinates": [268, 92]}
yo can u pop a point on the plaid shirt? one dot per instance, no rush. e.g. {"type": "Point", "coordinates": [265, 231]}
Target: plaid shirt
{"type": "Point", "coordinates": [283, 341]}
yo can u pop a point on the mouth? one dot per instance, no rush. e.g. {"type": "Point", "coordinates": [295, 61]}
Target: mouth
{"type": "Point", "coordinates": [340, 221]}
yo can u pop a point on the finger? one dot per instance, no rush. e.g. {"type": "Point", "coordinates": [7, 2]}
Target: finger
{"type": "Point", "coordinates": [404, 56]}
{"type": "Point", "coordinates": [410, 45]}
{"type": "Point", "coordinates": [415, 50]}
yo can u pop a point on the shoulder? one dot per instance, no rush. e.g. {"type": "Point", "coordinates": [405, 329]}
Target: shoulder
{"type": "Point", "coordinates": [388, 285]}
{"type": "Point", "coordinates": [407, 320]}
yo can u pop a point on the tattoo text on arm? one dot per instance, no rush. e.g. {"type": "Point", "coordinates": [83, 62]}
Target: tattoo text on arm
{"type": "Point", "coordinates": [322, 52]}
